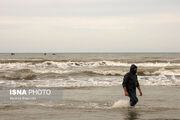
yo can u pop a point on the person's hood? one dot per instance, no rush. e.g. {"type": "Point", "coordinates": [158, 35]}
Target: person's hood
{"type": "Point", "coordinates": [132, 68]}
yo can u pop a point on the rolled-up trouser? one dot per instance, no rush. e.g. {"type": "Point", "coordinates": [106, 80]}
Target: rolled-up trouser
{"type": "Point", "coordinates": [133, 98]}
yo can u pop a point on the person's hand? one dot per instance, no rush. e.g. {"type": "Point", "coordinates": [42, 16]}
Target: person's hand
{"type": "Point", "coordinates": [126, 93]}
{"type": "Point", "coordinates": [140, 93]}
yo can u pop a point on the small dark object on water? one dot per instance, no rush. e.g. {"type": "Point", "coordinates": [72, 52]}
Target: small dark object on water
{"type": "Point", "coordinates": [77, 64]}
{"type": "Point", "coordinates": [44, 53]}
{"type": "Point", "coordinates": [53, 54]}
{"type": "Point", "coordinates": [12, 53]}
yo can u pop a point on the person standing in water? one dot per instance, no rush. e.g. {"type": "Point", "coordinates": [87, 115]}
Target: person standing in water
{"type": "Point", "coordinates": [130, 82]}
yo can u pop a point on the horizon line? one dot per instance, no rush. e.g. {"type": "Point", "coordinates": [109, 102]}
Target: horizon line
{"type": "Point", "coordinates": [87, 52]}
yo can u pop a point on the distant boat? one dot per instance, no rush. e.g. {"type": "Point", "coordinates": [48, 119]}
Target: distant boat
{"type": "Point", "coordinates": [12, 53]}
{"type": "Point", "coordinates": [53, 54]}
{"type": "Point", "coordinates": [45, 53]}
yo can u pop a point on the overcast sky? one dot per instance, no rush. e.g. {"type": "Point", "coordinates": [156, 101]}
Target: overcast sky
{"type": "Point", "coordinates": [89, 25]}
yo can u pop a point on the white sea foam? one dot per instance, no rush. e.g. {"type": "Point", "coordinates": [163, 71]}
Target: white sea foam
{"type": "Point", "coordinates": [85, 74]}
{"type": "Point", "coordinates": [98, 81]}
{"type": "Point", "coordinates": [147, 64]}
{"type": "Point", "coordinates": [121, 104]}
{"type": "Point", "coordinates": [85, 64]}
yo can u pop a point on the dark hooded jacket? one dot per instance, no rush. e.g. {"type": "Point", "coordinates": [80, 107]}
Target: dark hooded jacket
{"type": "Point", "coordinates": [130, 80]}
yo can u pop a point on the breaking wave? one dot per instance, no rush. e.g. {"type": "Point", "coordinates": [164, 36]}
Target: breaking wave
{"type": "Point", "coordinates": [70, 74]}
{"type": "Point", "coordinates": [22, 74]}
{"type": "Point", "coordinates": [94, 81]}
{"type": "Point", "coordinates": [30, 74]}
{"type": "Point", "coordinates": [66, 64]}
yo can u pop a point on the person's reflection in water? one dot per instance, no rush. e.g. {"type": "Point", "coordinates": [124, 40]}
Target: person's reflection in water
{"type": "Point", "coordinates": [132, 114]}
